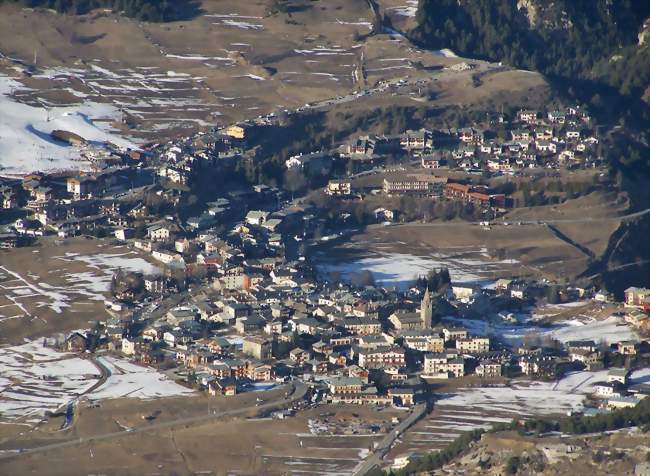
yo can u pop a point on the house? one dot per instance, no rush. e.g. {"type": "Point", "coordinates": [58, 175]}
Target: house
{"type": "Point", "coordinates": [315, 163]}
{"type": "Point", "coordinates": [224, 386]}
{"type": "Point", "coordinates": [256, 217]}
{"type": "Point", "coordinates": [362, 325]}
{"type": "Point", "coordinates": [618, 375]}
{"type": "Point", "coordinates": [299, 355]}
{"type": "Point", "coordinates": [626, 347]}
{"type": "Point", "coordinates": [443, 364]}
{"type": "Point", "coordinates": [81, 186]}
{"type": "Point", "coordinates": [361, 146]}
{"type": "Point", "coordinates": [422, 342]}
{"type": "Point", "coordinates": [431, 161]}
{"type": "Point", "coordinates": [402, 396]}
{"type": "Point", "coordinates": [406, 321]}
{"type": "Point", "coordinates": [124, 234]}
{"type": "Point", "coordinates": [128, 346]}
{"type": "Point", "coordinates": [415, 140]}
{"type": "Point", "coordinates": [76, 342]}
{"type": "Point", "coordinates": [158, 232]}
{"type": "Point", "coordinates": [607, 389]}
{"type": "Point", "coordinates": [454, 333]}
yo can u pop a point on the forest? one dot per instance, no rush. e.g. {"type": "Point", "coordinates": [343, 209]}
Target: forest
{"type": "Point", "coordinates": [143, 10]}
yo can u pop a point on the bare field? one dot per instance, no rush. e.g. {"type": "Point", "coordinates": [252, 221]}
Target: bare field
{"type": "Point", "coordinates": [228, 446]}
{"type": "Point", "coordinates": [58, 286]}
{"type": "Point", "coordinates": [527, 250]}
{"type": "Point", "coordinates": [234, 61]}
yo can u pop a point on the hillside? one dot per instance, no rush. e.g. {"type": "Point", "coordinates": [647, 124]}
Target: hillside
{"type": "Point", "coordinates": [144, 10]}
{"type": "Point", "coordinates": [596, 51]}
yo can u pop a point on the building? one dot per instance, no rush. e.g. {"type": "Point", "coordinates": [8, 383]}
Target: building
{"type": "Point", "coordinates": [473, 345]}
{"type": "Point", "coordinates": [339, 187]}
{"type": "Point", "coordinates": [257, 347]}
{"type": "Point", "coordinates": [637, 298]}
{"type": "Point", "coordinates": [81, 186]}
{"type": "Point", "coordinates": [406, 320]}
{"type": "Point", "coordinates": [344, 385]}
{"type": "Point", "coordinates": [379, 357]}
{"type": "Point", "coordinates": [426, 310]}
{"type": "Point", "coordinates": [236, 132]}
{"type": "Point", "coordinates": [415, 183]}
{"type": "Point", "coordinates": [76, 342]}
{"type": "Point", "coordinates": [489, 369]}
{"type": "Point", "coordinates": [442, 363]}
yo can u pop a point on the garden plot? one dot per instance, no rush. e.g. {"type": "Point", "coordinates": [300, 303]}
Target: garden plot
{"type": "Point", "coordinates": [36, 379]}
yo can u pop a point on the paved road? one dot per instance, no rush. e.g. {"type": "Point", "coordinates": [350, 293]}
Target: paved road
{"type": "Point", "coordinates": [375, 458]}
{"type": "Point", "coordinates": [299, 392]}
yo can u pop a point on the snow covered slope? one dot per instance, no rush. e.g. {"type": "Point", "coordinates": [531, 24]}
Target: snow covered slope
{"type": "Point", "coordinates": [25, 143]}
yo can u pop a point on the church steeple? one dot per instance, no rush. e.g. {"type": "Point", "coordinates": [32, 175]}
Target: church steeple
{"type": "Point", "coordinates": [426, 310]}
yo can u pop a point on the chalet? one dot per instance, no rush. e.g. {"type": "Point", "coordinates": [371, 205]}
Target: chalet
{"type": "Point", "coordinates": [76, 342]}
{"type": "Point", "coordinates": [361, 146]}
{"type": "Point", "coordinates": [415, 140]}
{"type": "Point", "coordinates": [224, 386]}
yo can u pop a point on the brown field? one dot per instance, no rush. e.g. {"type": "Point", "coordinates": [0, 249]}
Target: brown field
{"type": "Point", "coordinates": [48, 288]}
{"type": "Point", "coordinates": [234, 61]}
{"type": "Point", "coordinates": [538, 251]}
{"type": "Point", "coordinates": [228, 446]}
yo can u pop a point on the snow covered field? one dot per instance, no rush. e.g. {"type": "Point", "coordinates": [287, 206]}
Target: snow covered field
{"type": "Point", "coordinates": [135, 381]}
{"type": "Point", "coordinates": [482, 407]}
{"type": "Point", "coordinates": [402, 269]}
{"type": "Point", "coordinates": [35, 379]}
{"type": "Point", "coordinates": [25, 142]}
{"type": "Point", "coordinates": [608, 330]}
{"type": "Point", "coordinates": [91, 283]}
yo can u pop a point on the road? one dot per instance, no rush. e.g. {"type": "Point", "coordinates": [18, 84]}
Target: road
{"type": "Point", "coordinates": [375, 458]}
{"type": "Point", "coordinates": [299, 392]}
